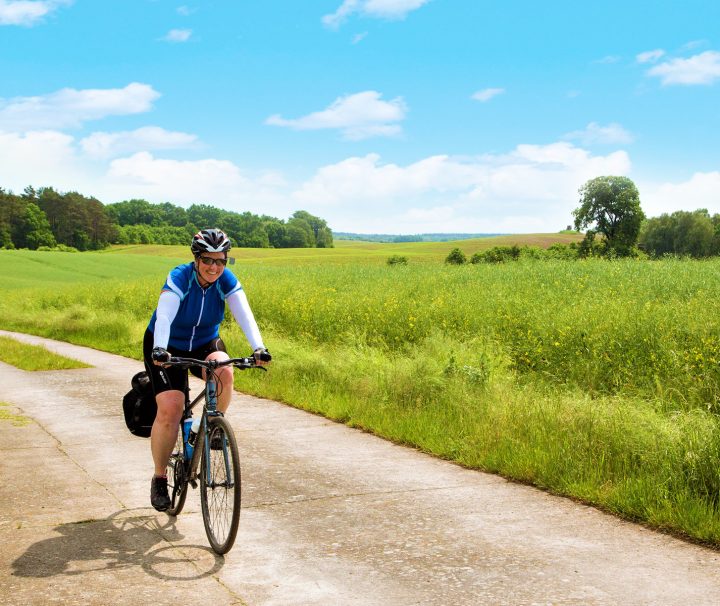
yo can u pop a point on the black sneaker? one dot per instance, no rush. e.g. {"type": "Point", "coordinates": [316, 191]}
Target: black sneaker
{"type": "Point", "coordinates": [159, 493]}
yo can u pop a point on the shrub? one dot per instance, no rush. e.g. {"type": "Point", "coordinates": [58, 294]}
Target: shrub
{"type": "Point", "coordinates": [456, 257]}
{"type": "Point", "coordinates": [58, 248]}
{"type": "Point", "coordinates": [563, 251]}
{"type": "Point", "coordinates": [497, 254]}
{"type": "Point", "coordinates": [397, 260]}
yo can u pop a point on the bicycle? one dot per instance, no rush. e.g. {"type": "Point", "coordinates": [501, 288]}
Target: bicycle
{"type": "Point", "coordinates": [215, 447]}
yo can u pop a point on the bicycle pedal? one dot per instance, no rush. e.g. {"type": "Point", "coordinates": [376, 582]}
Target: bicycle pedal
{"type": "Point", "coordinates": [193, 483]}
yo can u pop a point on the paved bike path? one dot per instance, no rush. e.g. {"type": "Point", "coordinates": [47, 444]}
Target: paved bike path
{"type": "Point", "coordinates": [330, 516]}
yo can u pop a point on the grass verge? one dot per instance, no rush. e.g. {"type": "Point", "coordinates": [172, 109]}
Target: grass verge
{"type": "Point", "coordinates": [34, 357]}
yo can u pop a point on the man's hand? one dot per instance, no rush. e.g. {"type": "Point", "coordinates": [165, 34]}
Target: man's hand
{"type": "Point", "coordinates": [159, 356]}
{"type": "Point", "coordinates": [262, 356]}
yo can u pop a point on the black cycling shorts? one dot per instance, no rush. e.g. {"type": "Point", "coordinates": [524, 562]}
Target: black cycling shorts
{"type": "Point", "coordinates": [164, 379]}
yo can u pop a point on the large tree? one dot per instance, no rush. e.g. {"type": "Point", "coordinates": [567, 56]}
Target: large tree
{"type": "Point", "coordinates": [610, 206]}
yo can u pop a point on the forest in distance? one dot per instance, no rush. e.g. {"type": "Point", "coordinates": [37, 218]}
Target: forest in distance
{"type": "Point", "coordinates": [45, 218]}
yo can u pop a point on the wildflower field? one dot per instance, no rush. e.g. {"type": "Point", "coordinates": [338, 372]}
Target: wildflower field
{"type": "Point", "coordinates": [593, 379]}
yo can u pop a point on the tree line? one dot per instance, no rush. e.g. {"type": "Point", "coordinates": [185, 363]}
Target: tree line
{"type": "Point", "coordinates": [616, 226]}
{"type": "Point", "coordinates": [48, 218]}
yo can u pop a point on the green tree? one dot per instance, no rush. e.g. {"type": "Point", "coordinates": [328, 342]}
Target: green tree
{"type": "Point", "coordinates": [296, 237]}
{"type": "Point", "coordinates": [175, 216]}
{"type": "Point", "coordinates": [682, 233]}
{"type": "Point", "coordinates": [204, 216]}
{"type": "Point", "coordinates": [33, 229]}
{"type": "Point", "coordinates": [134, 212]}
{"type": "Point", "coordinates": [610, 206]}
{"type": "Point", "coordinates": [657, 236]}
{"type": "Point", "coordinates": [322, 235]}
{"type": "Point", "coordinates": [694, 233]}
{"type": "Point", "coordinates": [12, 209]}
{"type": "Point", "coordinates": [5, 237]}
{"type": "Point", "coordinates": [276, 231]}
{"type": "Point", "coordinates": [295, 227]}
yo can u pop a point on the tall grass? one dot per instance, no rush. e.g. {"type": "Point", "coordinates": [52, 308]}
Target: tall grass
{"type": "Point", "coordinates": [595, 379]}
{"type": "Point", "coordinates": [620, 327]}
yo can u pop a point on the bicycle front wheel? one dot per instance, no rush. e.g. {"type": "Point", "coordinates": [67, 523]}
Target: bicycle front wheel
{"type": "Point", "coordinates": [220, 485]}
{"type": "Point", "coordinates": [177, 477]}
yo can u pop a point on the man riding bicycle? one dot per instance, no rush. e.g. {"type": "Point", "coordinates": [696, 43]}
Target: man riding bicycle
{"type": "Point", "coordinates": [185, 323]}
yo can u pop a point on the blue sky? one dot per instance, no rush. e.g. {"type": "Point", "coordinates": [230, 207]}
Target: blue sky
{"type": "Point", "coordinates": [381, 116]}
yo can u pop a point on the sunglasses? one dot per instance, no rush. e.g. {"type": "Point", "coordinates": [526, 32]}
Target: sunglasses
{"type": "Point", "coordinates": [209, 261]}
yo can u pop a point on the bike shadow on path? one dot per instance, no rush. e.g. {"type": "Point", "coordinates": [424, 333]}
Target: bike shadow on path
{"type": "Point", "coordinates": [123, 540]}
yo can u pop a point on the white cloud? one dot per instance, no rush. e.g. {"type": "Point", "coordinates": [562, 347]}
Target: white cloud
{"type": "Point", "coordinates": [609, 59]}
{"type": "Point", "coordinates": [40, 158]}
{"type": "Point", "coordinates": [357, 116]}
{"type": "Point", "coordinates": [185, 11]}
{"type": "Point", "coordinates": [69, 108]}
{"type": "Point", "coordinates": [359, 37]}
{"type": "Point", "coordinates": [179, 179]}
{"type": "Point", "coordinates": [106, 145]}
{"type": "Point", "coordinates": [212, 181]}
{"type": "Point", "coordinates": [487, 94]}
{"type": "Point", "coordinates": [650, 56]}
{"type": "Point", "coordinates": [51, 158]}
{"type": "Point", "coordinates": [594, 133]}
{"type": "Point", "coordinates": [178, 35]}
{"type": "Point", "coordinates": [699, 69]}
{"type": "Point", "coordinates": [27, 12]}
{"type": "Point", "coordinates": [702, 190]}
{"type": "Point", "coordinates": [382, 9]}
{"type": "Point", "coordinates": [533, 188]}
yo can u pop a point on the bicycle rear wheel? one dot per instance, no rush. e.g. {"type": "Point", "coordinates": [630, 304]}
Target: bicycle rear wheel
{"type": "Point", "coordinates": [177, 478]}
{"type": "Point", "coordinates": [220, 485]}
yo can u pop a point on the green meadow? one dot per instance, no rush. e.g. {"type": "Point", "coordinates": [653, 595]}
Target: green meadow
{"type": "Point", "coordinates": [593, 379]}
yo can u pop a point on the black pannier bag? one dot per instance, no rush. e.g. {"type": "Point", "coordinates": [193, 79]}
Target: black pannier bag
{"type": "Point", "coordinates": [139, 406]}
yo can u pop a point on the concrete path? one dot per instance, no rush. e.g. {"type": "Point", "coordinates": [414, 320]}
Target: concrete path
{"type": "Point", "coordinates": [330, 516]}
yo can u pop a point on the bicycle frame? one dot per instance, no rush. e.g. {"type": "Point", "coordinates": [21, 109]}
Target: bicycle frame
{"type": "Point", "coordinates": [209, 395]}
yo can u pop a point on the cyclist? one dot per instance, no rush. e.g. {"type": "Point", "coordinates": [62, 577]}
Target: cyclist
{"type": "Point", "coordinates": [185, 323]}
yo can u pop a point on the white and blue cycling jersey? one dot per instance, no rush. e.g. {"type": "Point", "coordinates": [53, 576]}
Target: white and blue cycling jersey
{"type": "Point", "coordinates": [194, 313]}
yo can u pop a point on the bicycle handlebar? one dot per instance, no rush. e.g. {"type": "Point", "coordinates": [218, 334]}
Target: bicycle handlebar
{"type": "Point", "coordinates": [241, 363]}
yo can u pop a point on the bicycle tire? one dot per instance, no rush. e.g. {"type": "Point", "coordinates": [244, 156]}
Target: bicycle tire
{"type": "Point", "coordinates": [220, 492]}
{"type": "Point", "coordinates": [177, 478]}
